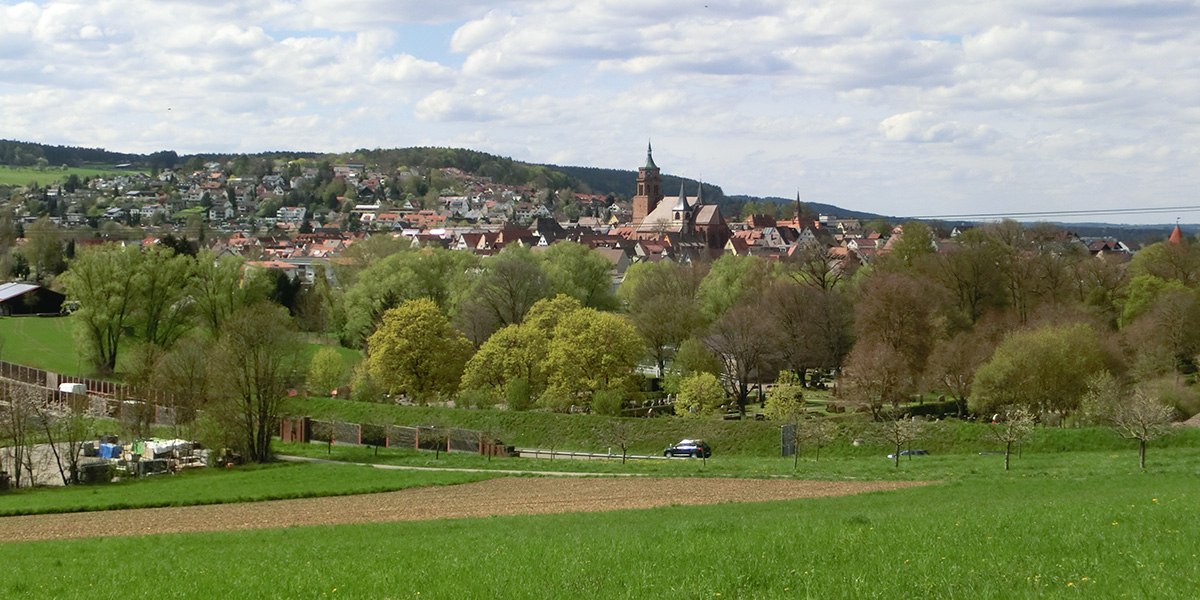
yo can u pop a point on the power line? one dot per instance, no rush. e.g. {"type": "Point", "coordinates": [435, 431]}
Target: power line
{"type": "Point", "coordinates": [1148, 210]}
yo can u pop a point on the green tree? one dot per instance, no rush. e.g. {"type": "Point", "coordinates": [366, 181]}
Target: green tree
{"type": "Point", "coordinates": [417, 352]}
{"type": "Point", "coordinates": [257, 358]}
{"type": "Point", "coordinates": [219, 289]}
{"type": "Point", "coordinates": [326, 371]}
{"type": "Point", "coordinates": [700, 395]}
{"type": "Point", "coordinates": [44, 248]}
{"type": "Point", "coordinates": [591, 351]}
{"type": "Point", "coordinates": [547, 313]}
{"type": "Point", "coordinates": [1042, 370]}
{"type": "Point", "coordinates": [511, 282]}
{"type": "Point", "coordinates": [431, 273]}
{"type": "Point", "coordinates": [785, 401]}
{"type": "Point", "coordinates": [164, 310]}
{"type": "Point", "coordinates": [577, 271]}
{"type": "Point", "coordinates": [514, 353]}
{"type": "Point", "coordinates": [103, 280]}
{"type": "Point", "coordinates": [730, 281]}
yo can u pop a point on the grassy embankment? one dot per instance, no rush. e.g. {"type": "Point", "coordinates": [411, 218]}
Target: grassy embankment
{"type": "Point", "coordinates": [1056, 532]}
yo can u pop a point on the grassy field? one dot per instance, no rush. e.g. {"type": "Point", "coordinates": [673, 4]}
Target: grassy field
{"type": "Point", "coordinates": [1071, 530]}
{"type": "Point", "coordinates": [10, 175]}
{"type": "Point", "coordinates": [48, 343]}
{"type": "Point", "coordinates": [215, 486]}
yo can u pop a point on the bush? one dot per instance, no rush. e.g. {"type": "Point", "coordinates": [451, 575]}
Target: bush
{"type": "Point", "coordinates": [518, 395]}
{"type": "Point", "coordinates": [607, 402]}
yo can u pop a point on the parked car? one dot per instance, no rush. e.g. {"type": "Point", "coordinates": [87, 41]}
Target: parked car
{"type": "Point", "coordinates": [690, 448]}
{"type": "Point", "coordinates": [913, 452]}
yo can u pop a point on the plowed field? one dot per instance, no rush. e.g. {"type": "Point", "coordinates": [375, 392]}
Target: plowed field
{"type": "Point", "coordinates": [504, 496]}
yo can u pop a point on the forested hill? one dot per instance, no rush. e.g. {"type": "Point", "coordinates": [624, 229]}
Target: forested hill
{"type": "Point", "coordinates": [27, 154]}
{"type": "Point", "coordinates": [622, 183]}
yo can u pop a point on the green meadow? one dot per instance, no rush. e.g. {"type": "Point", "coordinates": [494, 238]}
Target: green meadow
{"type": "Point", "coordinates": [20, 176]}
{"type": "Point", "coordinates": [215, 486]}
{"type": "Point", "coordinates": [1060, 529]}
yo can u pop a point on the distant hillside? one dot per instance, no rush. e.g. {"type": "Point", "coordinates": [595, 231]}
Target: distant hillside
{"type": "Point", "coordinates": [623, 183]}
{"type": "Point", "coordinates": [816, 208]}
{"type": "Point", "coordinates": [28, 154]}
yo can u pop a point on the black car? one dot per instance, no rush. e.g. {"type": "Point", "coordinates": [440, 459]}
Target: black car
{"type": "Point", "coordinates": [913, 452]}
{"type": "Point", "coordinates": [690, 448]}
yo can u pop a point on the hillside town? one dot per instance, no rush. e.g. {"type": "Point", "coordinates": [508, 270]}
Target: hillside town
{"type": "Point", "coordinates": [224, 208]}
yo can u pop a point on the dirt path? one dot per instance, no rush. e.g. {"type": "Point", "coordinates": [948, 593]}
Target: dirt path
{"type": "Point", "coordinates": [504, 496]}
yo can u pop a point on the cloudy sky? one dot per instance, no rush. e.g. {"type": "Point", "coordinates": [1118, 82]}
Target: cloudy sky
{"type": "Point", "coordinates": [906, 107]}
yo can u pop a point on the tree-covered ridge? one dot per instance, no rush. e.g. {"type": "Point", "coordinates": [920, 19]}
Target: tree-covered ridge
{"type": "Point", "coordinates": [27, 154]}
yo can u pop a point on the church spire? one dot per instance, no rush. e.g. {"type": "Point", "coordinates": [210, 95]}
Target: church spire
{"type": "Point", "coordinates": [682, 204]}
{"type": "Point", "coordinates": [1176, 234]}
{"type": "Point", "coordinates": [699, 193]}
{"type": "Point", "coordinates": [650, 156]}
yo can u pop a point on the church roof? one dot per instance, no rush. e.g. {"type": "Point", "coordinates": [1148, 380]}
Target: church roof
{"type": "Point", "coordinates": [650, 157]}
{"type": "Point", "coordinates": [1176, 235]}
{"type": "Point", "coordinates": [681, 203]}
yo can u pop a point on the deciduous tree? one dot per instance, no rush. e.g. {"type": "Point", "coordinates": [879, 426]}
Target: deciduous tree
{"type": "Point", "coordinates": [417, 352]}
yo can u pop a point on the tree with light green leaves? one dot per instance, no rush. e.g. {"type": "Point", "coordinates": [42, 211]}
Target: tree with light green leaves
{"type": "Point", "coordinates": [417, 352]}
{"type": "Point", "coordinates": [1042, 370]}
{"type": "Point", "coordinates": [515, 353]}
{"type": "Point", "coordinates": [326, 371]}
{"type": "Point", "coordinates": [103, 281]}
{"type": "Point", "coordinates": [785, 401]}
{"type": "Point", "coordinates": [580, 272]}
{"type": "Point", "coordinates": [700, 395]}
{"type": "Point", "coordinates": [591, 351]}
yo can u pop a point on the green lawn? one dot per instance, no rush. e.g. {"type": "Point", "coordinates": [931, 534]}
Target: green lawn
{"type": "Point", "coordinates": [21, 176]}
{"type": "Point", "coordinates": [216, 486]}
{"type": "Point", "coordinates": [48, 343]}
{"type": "Point", "coordinates": [1024, 534]}
{"type": "Point", "coordinates": [42, 342]}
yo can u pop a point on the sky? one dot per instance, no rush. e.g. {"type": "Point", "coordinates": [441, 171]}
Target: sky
{"type": "Point", "coordinates": [900, 107]}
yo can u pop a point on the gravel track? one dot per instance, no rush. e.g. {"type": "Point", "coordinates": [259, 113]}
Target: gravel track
{"type": "Point", "coordinates": [494, 497]}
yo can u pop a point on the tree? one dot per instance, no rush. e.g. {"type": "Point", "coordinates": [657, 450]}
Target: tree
{"type": "Point", "coordinates": [219, 289]}
{"type": "Point", "coordinates": [912, 245]}
{"type": "Point", "coordinates": [814, 431]}
{"type": "Point", "coordinates": [417, 352]}
{"type": "Point", "coordinates": [1015, 425]}
{"type": "Point", "coordinates": [103, 280]}
{"type": "Point", "coordinates": [1144, 418]}
{"type": "Point", "coordinates": [817, 265]}
{"type": "Point", "coordinates": [730, 282]}
{"type": "Point", "coordinates": [876, 376]}
{"type": "Point", "coordinates": [898, 311]}
{"type": "Point", "coordinates": [431, 273]}
{"type": "Point", "coordinates": [785, 402]}
{"type": "Point", "coordinates": [621, 433]}
{"type": "Point", "coordinates": [747, 346]}
{"type": "Point", "coordinates": [898, 432]}
{"type": "Point", "coordinates": [44, 248]}
{"type": "Point", "coordinates": [510, 284]}
{"type": "Point", "coordinates": [517, 352]}
{"type": "Point", "coordinates": [257, 358]}
{"type": "Point", "coordinates": [183, 375]}
{"type": "Point", "coordinates": [1045, 369]}
{"type": "Point", "coordinates": [326, 371]}
{"type": "Point", "coordinates": [590, 351]}
{"type": "Point", "coordinates": [18, 421]}
{"type": "Point", "coordinates": [577, 271]}
{"type": "Point", "coordinates": [163, 308]}
{"type": "Point", "coordinates": [700, 395]}
{"type": "Point", "coordinates": [817, 324]}
{"type": "Point", "coordinates": [660, 298]}
{"type": "Point", "coordinates": [953, 363]}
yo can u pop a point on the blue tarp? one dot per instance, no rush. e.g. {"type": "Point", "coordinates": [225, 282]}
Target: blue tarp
{"type": "Point", "coordinates": [110, 451]}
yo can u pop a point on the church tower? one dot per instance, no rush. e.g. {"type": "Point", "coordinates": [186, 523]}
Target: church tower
{"type": "Point", "coordinates": [649, 188]}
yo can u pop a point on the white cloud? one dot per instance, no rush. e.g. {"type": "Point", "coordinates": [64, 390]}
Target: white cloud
{"type": "Point", "coordinates": [872, 104]}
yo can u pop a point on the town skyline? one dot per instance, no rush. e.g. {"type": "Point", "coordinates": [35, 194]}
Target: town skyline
{"type": "Point", "coordinates": [880, 107]}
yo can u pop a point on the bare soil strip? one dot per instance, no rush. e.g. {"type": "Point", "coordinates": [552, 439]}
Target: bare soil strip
{"type": "Point", "coordinates": [495, 497]}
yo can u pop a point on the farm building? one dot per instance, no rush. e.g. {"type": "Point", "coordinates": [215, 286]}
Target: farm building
{"type": "Point", "coordinates": [28, 299]}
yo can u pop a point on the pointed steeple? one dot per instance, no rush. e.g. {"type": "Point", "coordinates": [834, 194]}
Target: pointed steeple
{"type": "Point", "coordinates": [1176, 235]}
{"type": "Point", "coordinates": [682, 203]}
{"type": "Point", "coordinates": [650, 156]}
{"type": "Point", "coordinates": [699, 194]}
